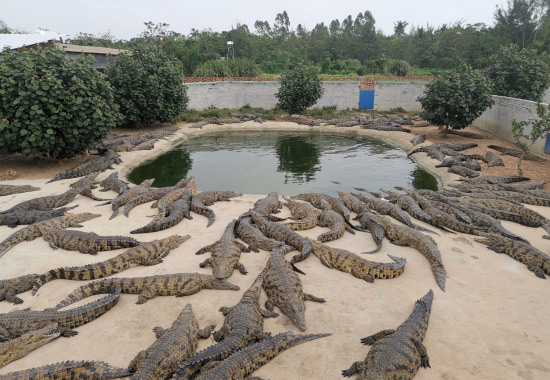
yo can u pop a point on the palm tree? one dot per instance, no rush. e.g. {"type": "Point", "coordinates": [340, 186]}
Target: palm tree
{"type": "Point", "coordinates": [399, 28]}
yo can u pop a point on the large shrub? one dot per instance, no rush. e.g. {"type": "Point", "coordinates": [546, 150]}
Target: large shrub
{"type": "Point", "coordinates": [147, 86]}
{"type": "Point", "coordinates": [522, 74]}
{"type": "Point", "coordinates": [299, 88]}
{"type": "Point", "coordinates": [241, 67]}
{"type": "Point", "coordinates": [457, 98]}
{"type": "Point", "coordinates": [51, 106]}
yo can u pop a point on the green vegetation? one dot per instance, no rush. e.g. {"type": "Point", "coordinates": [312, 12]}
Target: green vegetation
{"type": "Point", "coordinates": [518, 73]}
{"type": "Point", "coordinates": [457, 98]}
{"type": "Point", "coordinates": [147, 86]}
{"type": "Point", "coordinates": [229, 68]}
{"type": "Point", "coordinates": [540, 127]}
{"type": "Point", "coordinates": [299, 88]}
{"type": "Point", "coordinates": [51, 106]}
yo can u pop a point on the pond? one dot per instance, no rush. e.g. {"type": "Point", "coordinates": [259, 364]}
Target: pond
{"type": "Point", "coordinates": [253, 162]}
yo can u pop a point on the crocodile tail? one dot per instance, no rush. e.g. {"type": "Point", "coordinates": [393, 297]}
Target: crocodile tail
{"type": "Point", "coordinates": [153, 226]}
{"type": "Point", "coordinates": [91, 289]}
{"type": "Point", "coordinates": [215, 352]}
{"type": "Point", "coordinates": [51, 275]}
{"type": "Point", "coordinates": [440, 274]}
{"type": "Point", "coordinates": [211, 218]}
{"type": "Point", "coordinates": [109, 372]}
{"type": "Point", "coordinates": [81, 315]}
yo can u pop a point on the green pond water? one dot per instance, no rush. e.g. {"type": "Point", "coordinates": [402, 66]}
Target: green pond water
{"type": "Point", "coordinates": [254, 162]}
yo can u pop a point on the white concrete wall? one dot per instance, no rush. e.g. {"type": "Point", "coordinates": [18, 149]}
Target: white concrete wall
{"type": "Point", "coordinates": [389, 95]}
{"type": "Point", "coordinates": [497, 120]}
{"type": "Point", "coordinates": [262, 94]}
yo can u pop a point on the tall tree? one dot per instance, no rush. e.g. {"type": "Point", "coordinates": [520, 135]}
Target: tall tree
{"type": "Point", "coordinates": [399, 28]}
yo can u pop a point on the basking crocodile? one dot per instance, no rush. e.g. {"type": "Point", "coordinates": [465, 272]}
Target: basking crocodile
{"type": "Point", "coordinates": [226, 253]}
{"type": "Point", "coordinates": [419, 139]}
{"type": "Point", "coordinates": [45, 203]}
{"type": "Point", "coordinates": [177, 211]}
{"type": "Point", "coordinates": [88, 182]}
{"type": "Point", "coordinates": [304, 215]}
{"type": "Point", "coordinates": [123, 198]}
{"type": "Point", "coordinates": [150, 253]}
{"type": "Point", "coordinates": [200, 202]}
{"type": "Point", "coordinates": [463, 171]}
{"type": "Point", "coordinates": [113, 183]}
{"type": "Point", "coordinates": [358, 267]}
{"type": "Point", "coordinates": [431, 150]}
{"type": "Point", "coordinates": [284, 288]}
{"type": "Point", "coordinates": [269, 205]}
{"type": "Point", "coordinates": [17, 348]}
{"type": "Point", "coordinates": [407, 203]}
{"type": "Point", "coordinates": [17, 323]}
{"type": "Point", "coordinates": [32, 231]}
{"type": "Point", "coordinates": [406, 236]}
{"type": "Point", "coordinates": [156, 194]}
{"type": "Point", "coordinates": [12, 286]}
{"type": "Point", "coordinates": [470, 135]}
{"type": "Point", "coordinates": [85, 242]}
{"type": "Point", "coordinates": [16, 218]}
{"type": "Point", "coordinates": [145, 145]}
{"type": "Point", "coordinates": [317, 201]}
{"type": "Point", "coordinates": [517, 153]}
{"type": "Point", "coordinates": [95, 164]}
{"type": "Point", "coordinates": [397, 354]}
{"type": "Point", "coordinates": [537, 261]}
{"type": "Point", "coordinates": [244, 324]}
{"type": "Point", "coordinates": [496, 178]}
{"type": "Point", "coordinates": [284, 234]}
{"type": "Point", "coordinates": [69, 370]}
{"type": "Point", "coordinates": [450, 161]}
{"type": "Point", "coordinates": [175, 284]}
{"type": "Point", "coordinates": [518, 197]}
{"type": "Point", "coordinates": [493, 159]}
{"type": "Point", "coordinates": [16, 189]}
{"type": "Point", "coordinates": [253, 236]}
{"type": "Point", "coordinates": [173, 345]}
{"type": "Point", "coordinates": [242, 363]}
{"type": "Point", "coordinates": [170, 197]}
{"type": "Point", "coordinates": [333, 220]}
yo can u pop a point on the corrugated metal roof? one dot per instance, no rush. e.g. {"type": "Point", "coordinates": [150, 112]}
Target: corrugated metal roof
{"type": "Point", "coordinates": [88, 49]}
{"type": "Point", "coordinates": [16, 41]}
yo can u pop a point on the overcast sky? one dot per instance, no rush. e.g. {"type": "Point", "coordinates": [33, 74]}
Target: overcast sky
{"type": "Point", "coordinates": [124, 18]}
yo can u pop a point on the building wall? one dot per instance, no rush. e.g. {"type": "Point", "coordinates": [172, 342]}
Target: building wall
{"type": "Point", "coordinates": [497, 120]}
{"type": "Point", "coordinates": [388, 95]}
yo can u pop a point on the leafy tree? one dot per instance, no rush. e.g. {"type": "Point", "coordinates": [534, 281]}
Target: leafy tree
{"type": "Point", "coordinates": [299, 88]}
{"type": "Point", "coordinates": [521, 20]}
{"type": "Point", "coordinates": [540, 127]}
{"type": "Point", "coordinates": [4, 28]}
{"type": "Point", "coordinates": [399, 28]}
{"type": "Point", "coordinates": [519, 74]}
{"type": "Point", "coordinates": [51, 106]}
{"type": "Point", "coordinates": [457, 98]}
{"type": "Point", "coordinates": [147, 87]}
{"type": "Point", "coordinates": [399, 68]}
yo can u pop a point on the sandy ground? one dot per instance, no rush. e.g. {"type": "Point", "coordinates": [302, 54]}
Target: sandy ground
{"type": "Point", "coordinates": [491, 323]}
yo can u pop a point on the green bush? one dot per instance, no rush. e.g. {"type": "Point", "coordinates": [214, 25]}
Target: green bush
{"type": "Point", "coordinates": [147, 87]}
{"type": "Point", "coordinates": [214, 68]}
{"type": "Point", "coordinates": [51, 106]}
{"type": "Point", "coordinates": [399, 68]}
{"type": "Point", "coordinates": [457, 98]}
{"type": "Point", "coordinates": [243, 67]}
{"type": "Point", "coordinates": [522, 74]}
{"type": "Point", "coordinates": [299, 88]}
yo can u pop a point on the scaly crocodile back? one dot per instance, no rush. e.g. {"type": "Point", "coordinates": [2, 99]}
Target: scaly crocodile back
{"type": "Point", "coordinates": [69, 370]}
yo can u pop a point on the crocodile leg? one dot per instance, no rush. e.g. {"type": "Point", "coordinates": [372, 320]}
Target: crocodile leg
{"type": "Point", "coordinates": [355, 368]}
{"type": "Point", "coordinates": [268, 314]}
{"type": "Point", "coordinates": [205, 249]}
{"type": "Point", "coordinates": [205, 263]}
{"type": "Point", "coordinates": [147, 293]}
{"type": "Point", "coordinates": [225, 310]}
{"type": "Point", "coordinates": [205, 332]}
{"type": "Point", "coordinates": [221, 334]}
{"type": "Point", "coordinates": [52, 244]}
{"type": "Point", "coordinates": [241, 246]}
{"type": "Point", "coordinates": [11, 297]}
{"type": "Point", "coordinates": [534, 266]}
{"type": "Point", "coordinates": [269, 305]}
{"type": "Point", "coordinates": [370, 340]}
{"type": "Point", "coordinates": [241, 268]}
{"type": "Point", "coordinates": [159, 331]}
{"type": "Point", "coordinates": [425, 360]}
{"type": "Point", "coordinates": [137, 361]}
{"type": "Point", "coordinates": [310, 297]}
{"type": "Point", "coordinates": [190, 291]}
{"type": "Point", "coordinates": [325, 262]}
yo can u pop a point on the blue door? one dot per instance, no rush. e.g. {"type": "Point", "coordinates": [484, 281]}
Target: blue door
{"type": "Point", "coordinates": [366, 99]}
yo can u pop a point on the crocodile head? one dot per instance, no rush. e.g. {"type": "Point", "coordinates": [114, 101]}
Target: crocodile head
{"type": "Point", "coordinates": [17, 348]}
{"type": "Point", "coordinates": [175, 241]}
{"type": "Point", "coordinates": [295, 311]}
{"type": "Point", "coordinates": [82, 217]}
{"type": "Point", "coordinates": [222, 284]}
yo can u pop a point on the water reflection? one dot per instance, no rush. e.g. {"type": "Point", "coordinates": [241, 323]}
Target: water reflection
{"type": "Point", "coordinates": [298, 158]}
{"type": "Point", "coordinates": [167, 169]}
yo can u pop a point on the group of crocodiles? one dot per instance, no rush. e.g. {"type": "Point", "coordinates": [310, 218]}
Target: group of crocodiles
{"type": "Point", "coordinates": [476, 206]}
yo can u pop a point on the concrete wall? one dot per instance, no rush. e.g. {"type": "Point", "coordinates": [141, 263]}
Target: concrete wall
{"type": "Point", "coordinates": [101, 60]}
{"type": "Point", "coordinates": [230, 94]}
{"type": "Point", "coordinates": [497, 120]}
{"type": "Point", "coordinates": [389, 95]}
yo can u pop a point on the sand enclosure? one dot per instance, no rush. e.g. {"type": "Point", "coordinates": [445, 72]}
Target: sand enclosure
{"type": "Point", "coordinates": [491, 323]}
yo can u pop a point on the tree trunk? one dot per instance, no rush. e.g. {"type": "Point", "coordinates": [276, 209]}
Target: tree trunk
{"type": "Point", "coordinates": [520, 172]}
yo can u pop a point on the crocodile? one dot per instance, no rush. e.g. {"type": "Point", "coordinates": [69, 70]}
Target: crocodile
{"type": "Point", "coordinates": [284, 234]}
{"type": "Point", "coordinates": [12, 286]}
{"type": "Point", "coordinates": [493, 159]}
{"type": "Point", "coordinates": [147, 254]}
{"type": "Point", "coordinates": [463, 171]}
{"type": "Point", "coordinates": [243, 324]}
{"type": "Point", "coordinates": [113, 183]}
{"type": "Point", "coordinates": [21, 346]}
{"type": "Point", "coordinates": [242, 363]}
{"type": "Point", "coordinates": [419, 139]}
{"type": "Point", "coordinates": [200, 202]}
{"type": "Point", "coordinates": [407, 203]}
{"type": "Point", "coordinates": [156, 194]}
{"type": "Point", "coordinates": [333, 220]}
{"type": "Point", "coordinates": [32, 231]}
{"type": "Point", "coordinates": [175, 284]}
{"type": "Point", "coordinates": [397, 354]}
{"type": "Point", "coordinates": [304, 215]}
{"type": "Point", "coordinates": [518, 197]}
{"type": "Point", "coordinates": [45, 203]}
{"type": "Point", "coordinates": [85, 242]}
{"type": "Point", "coordinates": [450, 161]}
{"type": "Point", "coordinates": [537, 261]}
{"type": "Point", "coordinates": [254, 237]}
{"type": "Point", "coordinates": [16, 218]}
{"type": "Point", "coordinates": [146, 145]}
{"type": "Point", "coordinates": [496, 178]}
{"type": "Point", "coordinates": [406, 236]}
{"type": "Point", "coordinates": [123, 198]}
{"type": "Point", "coordinates": [172, 196]}
{"type": "Point", "coordinates": [431, 150]}
{"type": "Point", "coordinates": [269, 205]}
{"type": "Point", "coordinates": [16, 189]}
{"type": "Point", "coordinates": [172, 346]}
{"type": "Point", "coordinates": [470, 135]}
{"type": "Point", "coordinates": [226, 253]}
{"type": "Point", "coordinates": [284, 288]}
{"type": "Point", "coordinates": [87, 181]}
{"type": "Point", "coordinates": [349, 262]}
{"type": "Point", "coordinates": [17, 323]}
{"type": "Point", "coordinates": [517, 153]}
{"type": "Point", "coordinates": [69, 370]}
{"type": "Point", "coordinates": [99, 163]}
{"type": "Point", "coordinates": [177, 211]}
{"type": "Point", "coordinates": [531, 186]}
{"type": "Point", "coordinates": [377, 231]}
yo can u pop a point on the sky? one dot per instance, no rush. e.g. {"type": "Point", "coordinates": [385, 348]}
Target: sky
{"type": "Point", "coordinates": [124, 18]}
